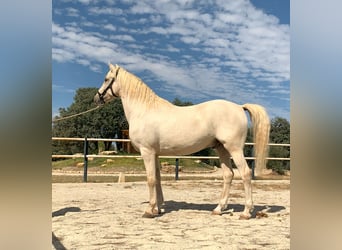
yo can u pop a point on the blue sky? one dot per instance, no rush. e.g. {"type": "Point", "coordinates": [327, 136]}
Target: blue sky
{"type": "Point", "coordinates": [195, 50]}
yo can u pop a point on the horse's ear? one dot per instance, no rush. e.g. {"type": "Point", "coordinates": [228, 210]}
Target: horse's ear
{"type": "Point", "coordinates": [111, 67]}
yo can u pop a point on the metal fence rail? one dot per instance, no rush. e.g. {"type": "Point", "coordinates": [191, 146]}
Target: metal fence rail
{"type": "Point", "coordinates": [85, 154]}
{"type": "Point", "coordinates": [128, 140]}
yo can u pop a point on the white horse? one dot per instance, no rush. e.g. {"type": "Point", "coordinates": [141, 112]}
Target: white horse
{"type": "Point", "coordinates": [157, 127]}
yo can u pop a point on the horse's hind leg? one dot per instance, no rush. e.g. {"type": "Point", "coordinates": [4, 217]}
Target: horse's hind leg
{"type": "Point", "coordinates": [246, 175]}
{"type": "Point", "coordinates": [160, 196]}
{"type": "Point", "coordinates": [228, 175]}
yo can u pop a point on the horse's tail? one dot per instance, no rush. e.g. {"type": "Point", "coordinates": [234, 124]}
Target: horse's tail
{"type": "Point", "coordinates": [261, 132]}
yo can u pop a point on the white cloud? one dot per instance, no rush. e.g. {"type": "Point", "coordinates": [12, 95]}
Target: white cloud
{"type": "Point", "coordinates": [224, 47]}
{"type": "Point", "coordinates": [174, 16]}
{"type": "Point", "coordinates": [86, 1]}
{"type": "Point", "coordinates": [142, 7]}
{"type": "Point", "coordinates": [69, 44]}
{"type": "Point", "coordinates": [190, 39]}
{"type": "Point", "coordinates": [96, 67]}
{"type": "Point", "coordinates": [244, 34]}
{"type": "Point", "coordinates": [89, 24]}
{"type": "Point", "coordinates": [61, 55]}
{"type": "Point", "coordinates": [105, 11]}
{"type": "Point", "coordinates": [170, 48]}
{"type": "Point", "coordinates": [126, 38]}
{"type": "Point", "coordinates": [62, 89]}
{"type": "Point", "coordinates": [110, 27]}
{"type": "Point", "coordinates": [72, 12]}
{"type": "Point", "coordinates": [159, 30]}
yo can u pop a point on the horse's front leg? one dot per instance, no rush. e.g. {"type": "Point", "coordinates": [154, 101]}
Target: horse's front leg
{"type": "Point", "coordinates": [151, 165]}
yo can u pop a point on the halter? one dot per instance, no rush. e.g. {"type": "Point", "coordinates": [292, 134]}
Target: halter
{"type": "Point", "coordinates": [110, 85]}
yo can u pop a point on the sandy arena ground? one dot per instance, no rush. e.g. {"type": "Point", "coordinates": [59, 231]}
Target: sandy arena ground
{"type": "Point", "coordinates": [109, 216]}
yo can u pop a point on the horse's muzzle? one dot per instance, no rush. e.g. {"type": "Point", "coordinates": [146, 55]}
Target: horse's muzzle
{"type": "Point", "coordinates": [98, 100]}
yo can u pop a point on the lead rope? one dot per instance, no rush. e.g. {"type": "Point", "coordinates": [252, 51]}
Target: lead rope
{"type": "Point", "coordinates": [70, 116]}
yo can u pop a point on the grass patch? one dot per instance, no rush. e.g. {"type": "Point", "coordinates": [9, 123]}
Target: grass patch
{"type": "Point", "coordinates": [127, 165]}
{"type": "Point", "coordinates": [114, 179]}
{"type": "Point", "coordinates": [101, 164]}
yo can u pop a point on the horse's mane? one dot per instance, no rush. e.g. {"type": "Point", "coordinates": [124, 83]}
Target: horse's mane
{"type": "Point", "coordinates": [136, 90]}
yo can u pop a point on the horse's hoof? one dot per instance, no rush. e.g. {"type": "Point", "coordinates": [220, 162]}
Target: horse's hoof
{"type": "Point", "coordinates": [244, 217]}
{"type": "Point", "coordinates": [156, 212]}
{"type": "Point", "coordinates": [150, 216]}
{"type": "Point", "coordinates": [214, 212]}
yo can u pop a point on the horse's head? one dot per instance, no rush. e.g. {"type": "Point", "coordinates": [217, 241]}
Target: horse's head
{"type": "Point", "coordinates": [108, 90]}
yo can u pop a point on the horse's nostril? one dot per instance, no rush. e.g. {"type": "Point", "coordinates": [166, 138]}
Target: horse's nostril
{"type": "Point", "coordinates": [98, 100]}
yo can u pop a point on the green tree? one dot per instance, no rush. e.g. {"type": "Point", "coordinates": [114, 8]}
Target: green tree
{"type": "Point", "coordinates": [105, 122]}
{"type": "Point", "coordinates": [248, 149]}
{"type": "Point", "coordinates": [280, 133]}
{"type": "Point", "coordinates": [178, 102]}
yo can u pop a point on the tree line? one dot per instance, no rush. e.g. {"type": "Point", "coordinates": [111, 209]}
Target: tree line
{"type": "Point", "coordinates": [109, 121]}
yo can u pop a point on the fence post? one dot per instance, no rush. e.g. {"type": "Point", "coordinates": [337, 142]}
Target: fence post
{"type": "Point", "coordinates": [253, 166]}
{"type": "Point", "coordinates": [253, 163]}
{"type": "Point", "coordinates": [85, 171]}
{"type": "Point", "coordinates": [177, 169]}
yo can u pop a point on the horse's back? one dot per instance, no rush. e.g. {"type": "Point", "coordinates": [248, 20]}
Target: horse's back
{"type": "Point", "coordinates": [207, 116]}
{"type": "Point", "coordinates": [223, 111]}
{"type": "Point", "coordinates": [174, 129]}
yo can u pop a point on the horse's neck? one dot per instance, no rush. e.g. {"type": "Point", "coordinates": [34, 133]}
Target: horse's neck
{"type": "Point", "coordinates": [129, 108]}
{"type": "Point", "coordinates": [135, 104]}
{"type": "Point", "coordinates": [134, 108]}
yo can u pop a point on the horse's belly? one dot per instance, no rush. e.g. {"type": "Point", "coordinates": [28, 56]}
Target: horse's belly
{"type": "Point", "coordinates": [184, 147]}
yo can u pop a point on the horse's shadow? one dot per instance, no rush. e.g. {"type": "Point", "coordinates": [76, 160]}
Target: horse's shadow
{"type": "Point", "coordinates": [61, 212]}
{"type": "Point", "coordinates": [170, 206]}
